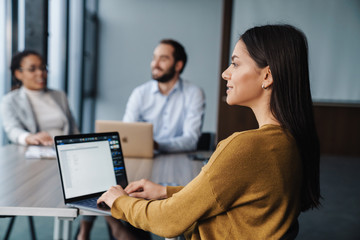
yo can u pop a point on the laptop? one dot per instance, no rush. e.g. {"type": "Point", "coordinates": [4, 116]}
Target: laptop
{"type": "Point", "coordinates": [89, 164]}
{"type": "Point", "coordinates": [136, 137]}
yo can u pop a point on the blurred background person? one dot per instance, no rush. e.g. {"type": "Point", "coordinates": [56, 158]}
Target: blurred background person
{"type": "Point", "coordinates": [33, 114]}
{"type": "Point", "coordinates": [174, 106]}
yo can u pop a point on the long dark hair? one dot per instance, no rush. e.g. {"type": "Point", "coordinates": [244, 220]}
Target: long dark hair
{"type": "Point", "coordinates": [284, 49]}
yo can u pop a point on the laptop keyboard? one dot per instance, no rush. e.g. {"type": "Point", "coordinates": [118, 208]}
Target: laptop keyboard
{"type": "Point", "coordinates": [92, 202]}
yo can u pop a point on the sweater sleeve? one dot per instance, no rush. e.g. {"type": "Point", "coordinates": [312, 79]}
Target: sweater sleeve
{"type": "Point", "coordinates": [170, 190]}
{"type": "Point", "coordinates": [173, 216]}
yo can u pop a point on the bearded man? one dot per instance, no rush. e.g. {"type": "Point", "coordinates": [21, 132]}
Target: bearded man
{"type": "Point", "coordinates": [174, 106]}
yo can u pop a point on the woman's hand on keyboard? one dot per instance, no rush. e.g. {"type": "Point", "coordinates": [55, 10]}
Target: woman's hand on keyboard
{"type": "Point", "coordinates": [146, 189]}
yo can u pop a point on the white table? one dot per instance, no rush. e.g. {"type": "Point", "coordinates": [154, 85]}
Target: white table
{"type": "Point", "coordinates": [31, 187]}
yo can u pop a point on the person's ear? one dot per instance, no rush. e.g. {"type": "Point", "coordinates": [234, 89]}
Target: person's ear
{"type": "Point", "coordinates": [268, 79]}
{"type": "Point", "coordinates": [18, 74]}
{"type": "Point", "coordinates": [179, 65]}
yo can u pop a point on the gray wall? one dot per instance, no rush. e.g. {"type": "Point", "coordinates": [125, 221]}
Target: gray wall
{"type": "Point", "coordinates": [129, 32]}
{"type": "Point", "coordinates": [333, 31]}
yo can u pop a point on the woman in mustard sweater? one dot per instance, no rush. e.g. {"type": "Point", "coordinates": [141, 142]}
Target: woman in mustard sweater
{"type": "Point", "coordinates": [258, 181]}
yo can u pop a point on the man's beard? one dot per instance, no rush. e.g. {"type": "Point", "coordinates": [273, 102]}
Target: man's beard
{"type": "Point", "coordinates": [167, 76]}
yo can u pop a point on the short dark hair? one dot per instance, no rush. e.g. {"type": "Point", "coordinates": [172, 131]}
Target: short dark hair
{"type": "Point", "coordinates": [284, 49]}
{"type": "Point", "coordinates": [16, 61]}
{"type": "Point", "coordinates": [179, 51]}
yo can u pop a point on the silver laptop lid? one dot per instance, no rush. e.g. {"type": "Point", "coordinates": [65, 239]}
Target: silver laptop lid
{"type": "Point", "coordinates": [136, 137]}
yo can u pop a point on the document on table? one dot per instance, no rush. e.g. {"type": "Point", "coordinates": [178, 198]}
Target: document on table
{"type": "Point", "coordinates": [37, 152]}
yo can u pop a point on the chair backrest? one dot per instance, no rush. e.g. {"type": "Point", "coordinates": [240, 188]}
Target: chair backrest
{"type": "Point", "coordinates": [206, 142]}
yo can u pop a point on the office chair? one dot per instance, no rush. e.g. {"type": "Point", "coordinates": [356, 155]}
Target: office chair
{"type": "Point", "coordinates": [9, 228]}
{"type": "Point", "coordinates": [206, 142]}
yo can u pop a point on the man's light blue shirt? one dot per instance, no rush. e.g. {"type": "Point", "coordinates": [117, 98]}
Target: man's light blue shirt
{"type": "Point", "coordinates": [177, 118]}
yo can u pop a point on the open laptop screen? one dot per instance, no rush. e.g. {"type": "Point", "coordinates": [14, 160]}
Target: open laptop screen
{"type": "Point", "coordinates": [90, 163]}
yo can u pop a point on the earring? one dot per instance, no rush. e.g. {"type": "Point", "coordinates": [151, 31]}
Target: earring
{"type": "Point", "coordinates": [263, 86]}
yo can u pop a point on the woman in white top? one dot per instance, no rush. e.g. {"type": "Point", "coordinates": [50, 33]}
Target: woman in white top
{"type": "Point", "coordinates": [32, 114]}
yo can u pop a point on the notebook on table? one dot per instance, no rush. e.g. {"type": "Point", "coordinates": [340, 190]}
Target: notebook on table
{"type": "Point", "coordinates": [136, 137]}
{"type": "Point", "coordinates": [89, 164]}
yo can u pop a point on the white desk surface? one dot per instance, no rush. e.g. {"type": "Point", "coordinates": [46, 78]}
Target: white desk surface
{"type": "Point", "coordinates": [31, 187]}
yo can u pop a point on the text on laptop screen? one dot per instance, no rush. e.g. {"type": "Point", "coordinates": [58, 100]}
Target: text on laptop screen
{"type": "Point", "coordinates": [90, 165]}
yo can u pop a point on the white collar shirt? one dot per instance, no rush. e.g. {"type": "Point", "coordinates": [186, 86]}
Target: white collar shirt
{"type": "Point", "coordinates": [177, 118]}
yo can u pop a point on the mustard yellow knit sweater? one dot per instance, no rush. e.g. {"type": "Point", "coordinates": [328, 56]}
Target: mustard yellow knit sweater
{"type": "Point", "coordinates": [250, 189]}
